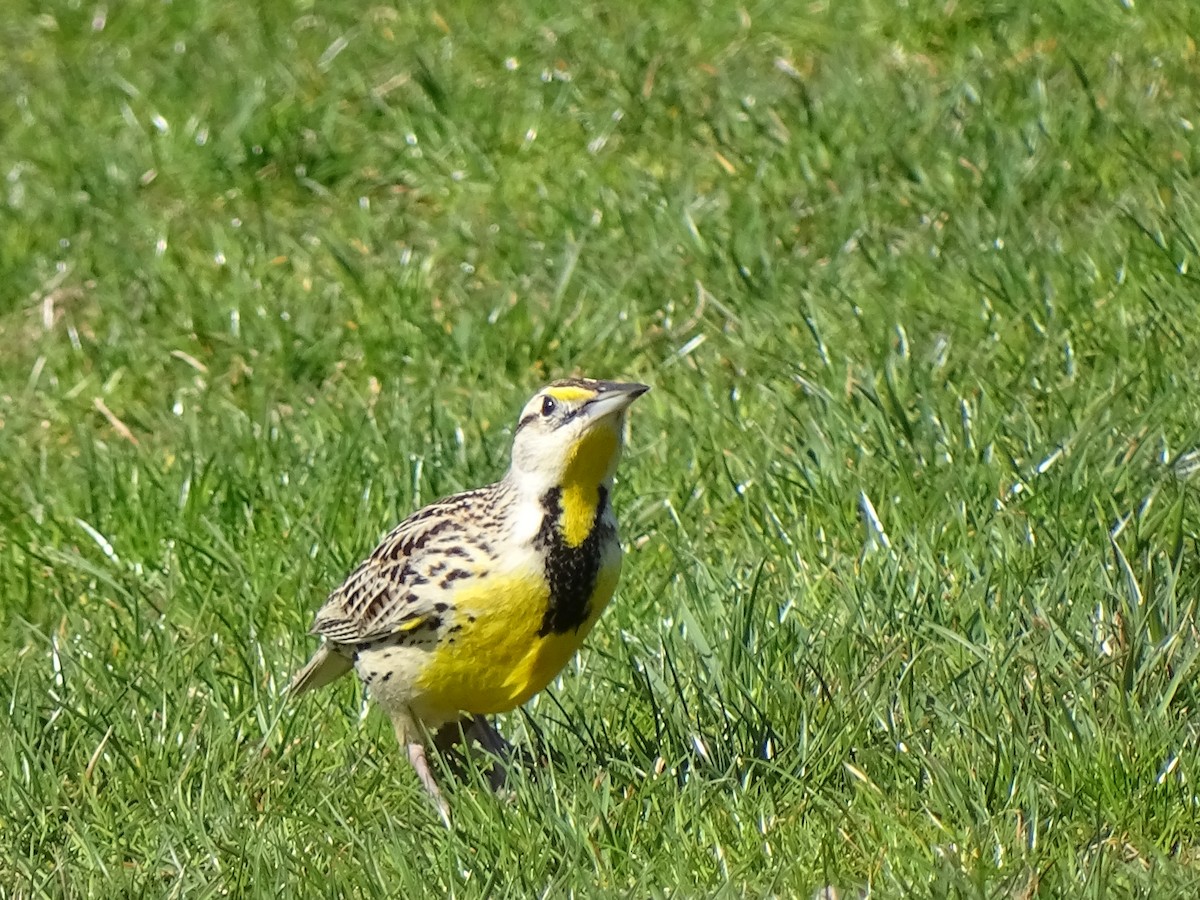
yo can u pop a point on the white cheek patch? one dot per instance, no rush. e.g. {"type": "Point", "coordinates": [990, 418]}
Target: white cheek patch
{"type": "Point", "coordinates": [540, 451]}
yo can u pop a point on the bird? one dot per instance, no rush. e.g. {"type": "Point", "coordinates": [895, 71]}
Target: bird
{"type": "Point", "coordinates": [473, 604]}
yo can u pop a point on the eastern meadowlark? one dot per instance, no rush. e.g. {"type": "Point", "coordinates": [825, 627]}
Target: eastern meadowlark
{"type": "Point", "coordinates": [473, 604]}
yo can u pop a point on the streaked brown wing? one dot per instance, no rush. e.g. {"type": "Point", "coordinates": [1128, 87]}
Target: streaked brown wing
{"type": "Point", "coordinates": [393, 591]}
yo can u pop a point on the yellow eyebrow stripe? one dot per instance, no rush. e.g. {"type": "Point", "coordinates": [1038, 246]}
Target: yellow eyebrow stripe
{"type": "Point", "coordinates": [569, 394]}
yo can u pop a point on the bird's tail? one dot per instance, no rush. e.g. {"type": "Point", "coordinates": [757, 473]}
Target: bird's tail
{"type": "Point", "coordinates": [326, 665]}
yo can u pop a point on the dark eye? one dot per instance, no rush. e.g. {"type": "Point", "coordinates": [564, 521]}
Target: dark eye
{"type": "Point", "coordinates": [548, 406]}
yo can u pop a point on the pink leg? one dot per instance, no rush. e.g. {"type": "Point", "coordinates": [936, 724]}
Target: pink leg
{"type": "Point", "coordinates": [416, 756]}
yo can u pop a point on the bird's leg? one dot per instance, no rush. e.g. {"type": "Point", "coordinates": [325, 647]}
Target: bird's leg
{"type": "Point", "coordinates": [449, 736]}
{"type": "Point", "coordinates": [494, 743]}
{"type": "Point", "coordinates": [416, 756]}
{"type": "Point", "coordinates": [488, 737]}
{"type": "Point", "coordinates": [471, 730]}
{"type": "Point", "coordinates": [452, 746]}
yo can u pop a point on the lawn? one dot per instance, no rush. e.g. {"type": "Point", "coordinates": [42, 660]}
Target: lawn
{"type": "Point", "coordinates": [910, 600]}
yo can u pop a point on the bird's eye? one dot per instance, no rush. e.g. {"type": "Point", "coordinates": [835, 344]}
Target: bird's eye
{"type": "Point", "coordinates": [548, 406]}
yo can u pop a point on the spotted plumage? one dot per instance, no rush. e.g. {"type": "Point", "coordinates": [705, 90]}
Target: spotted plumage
{"type": "Point", "coordinates": [473, 604]}
{"type": "Point", "coordinates": [401, 589]}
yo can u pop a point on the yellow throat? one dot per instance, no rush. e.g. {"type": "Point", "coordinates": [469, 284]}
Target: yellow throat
{"type": "Point", "coordinates": [589, 466]}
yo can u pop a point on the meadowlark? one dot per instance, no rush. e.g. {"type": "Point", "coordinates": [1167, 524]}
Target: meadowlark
{"type": "Point", "coordinates": [473, 604]}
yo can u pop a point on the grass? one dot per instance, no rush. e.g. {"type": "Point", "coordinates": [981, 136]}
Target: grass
{"type": "Point", "coordinates": [910, 603]}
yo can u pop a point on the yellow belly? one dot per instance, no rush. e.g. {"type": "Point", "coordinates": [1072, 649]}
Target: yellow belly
{"type": "Point", "coordinates": [499, 661]}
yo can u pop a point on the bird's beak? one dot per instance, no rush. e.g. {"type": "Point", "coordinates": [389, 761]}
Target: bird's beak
{"type": "Point", "coordinates": [613, 397]}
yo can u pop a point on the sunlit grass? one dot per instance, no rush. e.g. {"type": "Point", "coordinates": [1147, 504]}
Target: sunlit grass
{"type": "Point", "coordinates": [910, 599]}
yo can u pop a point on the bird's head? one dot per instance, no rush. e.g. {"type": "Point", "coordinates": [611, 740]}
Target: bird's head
{"type": "Point", "coordinates": [571, 432]}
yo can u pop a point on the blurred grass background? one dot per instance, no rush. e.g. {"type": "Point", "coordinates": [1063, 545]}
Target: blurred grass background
{"type": "Point", "coordinates": [910, 602]}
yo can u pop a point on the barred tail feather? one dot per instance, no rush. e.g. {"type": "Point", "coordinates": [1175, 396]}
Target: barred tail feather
{"type": "Point", "coordinates": [326, 665]}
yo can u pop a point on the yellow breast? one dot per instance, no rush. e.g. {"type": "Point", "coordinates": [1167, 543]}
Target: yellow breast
{"type": "Point", "coordinates": [496, 660]}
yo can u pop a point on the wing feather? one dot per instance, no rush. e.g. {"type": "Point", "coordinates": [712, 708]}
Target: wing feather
{"type": "Point", "coordinates": [392, 592]}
